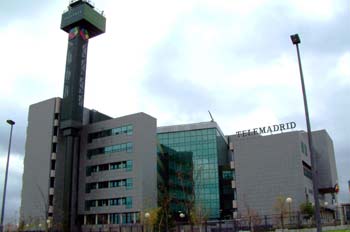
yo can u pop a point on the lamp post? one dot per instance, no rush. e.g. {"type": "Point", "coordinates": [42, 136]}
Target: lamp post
{"type": "Point", "coordinates": [296, 41]}
{"type": "Point", "coordinates": [289, 201]}
{"type": "Point", "coordinates": [48, 225]}
{"type": "Point", "coordinates": [147, 215]}
{"type": "Point", "coordinates": [182, 216]}
{"type": "Point", "coordinates": [11, 123]}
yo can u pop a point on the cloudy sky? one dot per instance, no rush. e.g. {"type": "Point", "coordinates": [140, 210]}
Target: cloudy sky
{"type": "Point", "coordinates": [175, 60]}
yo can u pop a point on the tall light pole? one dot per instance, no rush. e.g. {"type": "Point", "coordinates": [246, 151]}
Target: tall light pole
{"type": "Point", "coordinates": [9, 121]}
{"type": "Point", "coordinates": [289, 202]}
{"type": "Point", "coordinates": [296, 41]}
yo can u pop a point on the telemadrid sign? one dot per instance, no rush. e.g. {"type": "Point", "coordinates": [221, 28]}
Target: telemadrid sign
{"type": "Point", "coordinates": [267, 129]}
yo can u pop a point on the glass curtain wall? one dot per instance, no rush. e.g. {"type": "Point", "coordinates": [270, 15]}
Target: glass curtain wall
{"type": "Point", "coordinates": [193, 160]}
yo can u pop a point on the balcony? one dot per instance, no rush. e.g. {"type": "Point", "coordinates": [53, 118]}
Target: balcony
{"type": "Point", "coordinates": [51, 191]}
{"type": "Point", "coordinates": [53, 156]}
{"type": "Point", "coordinates": [232, 164]}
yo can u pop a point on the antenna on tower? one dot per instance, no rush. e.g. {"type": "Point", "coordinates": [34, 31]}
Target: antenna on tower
{"type": "Point", "coordinates": [212, 119]}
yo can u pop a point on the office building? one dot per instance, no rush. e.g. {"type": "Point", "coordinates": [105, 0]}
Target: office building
{"type": "Point", "coordinates": [278, 166]}
{"type": "Point", "coordinates": [116, 163]}
{"type": "Point", "coordinates": [200, 151]}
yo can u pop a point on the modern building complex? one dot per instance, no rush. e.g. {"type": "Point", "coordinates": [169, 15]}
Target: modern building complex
{"type": "Point", "coordinates": [126, 164]}
{"type": "Point", "coordinates": [84, 170]}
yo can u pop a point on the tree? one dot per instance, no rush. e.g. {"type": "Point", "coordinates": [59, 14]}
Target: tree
{"type": "Point", "coordinates": [281, 208]}
{"type": "Point", "coordinates": [251, 215]}
{"type": "Point", "coordinates": [307, 209]}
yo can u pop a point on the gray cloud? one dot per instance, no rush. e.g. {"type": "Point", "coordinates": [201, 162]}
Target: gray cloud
{"type": "Point", "coordinates": [266, 39]}
{"type": "Point", "coordinates": [17, 9]}
{"type": "Point", "coordinates": [14, 112]}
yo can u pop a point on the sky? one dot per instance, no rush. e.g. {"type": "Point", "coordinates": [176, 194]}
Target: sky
{"type": "Point", "coordinates": [175, 60]}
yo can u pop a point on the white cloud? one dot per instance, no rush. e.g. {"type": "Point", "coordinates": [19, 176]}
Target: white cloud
{"type": "Point", "coordinates": [316, 10]}
{"type": "Point", "coordinates": [343, 68]}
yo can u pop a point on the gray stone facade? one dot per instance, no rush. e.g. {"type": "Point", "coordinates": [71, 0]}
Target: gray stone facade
{"type": "Point", "coordinates": [273, 166]}
{"type": "Point", "coordinates": [143, 173]}
{"type": "Point", "coordinates": [39, 145]}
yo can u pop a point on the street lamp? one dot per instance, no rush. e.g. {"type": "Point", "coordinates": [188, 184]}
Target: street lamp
{"type": "Point", "coordinates": [147, 215]}
{"type": "Point", "coordinates": [289, 202]}
{"type": "Point", "coordinates": [48, 224]}
{"type": "Point", "coordinates": [11, 123]}
{"type": "Point", "coordinates": [182, 216]}
{"type": "Point", "coordinates": [296, 41]}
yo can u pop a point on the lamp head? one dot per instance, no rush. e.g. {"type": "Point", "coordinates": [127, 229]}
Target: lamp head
{"type": "Point", "coordinates": [295, 39]}
{"type": "Point", "coordinates": [9, 121]}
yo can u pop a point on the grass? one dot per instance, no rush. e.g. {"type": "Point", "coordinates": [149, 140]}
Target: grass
{"type": "Point", "coordinates": [339, 230]}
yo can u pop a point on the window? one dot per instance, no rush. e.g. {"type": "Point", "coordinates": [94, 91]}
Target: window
{"type": "Point", "coordinates": [114, 218]}
{"type": "Point", "coordinates": [90, 219]}
{"type": "Point", "coordinates": [124, 147]}
{"type": "Point", "coordinates": [129, 165]}
{"type": "Point", "coordinates": [129, 183]}
{"type": "Point", "coordinates": [304, 148]}
{"type": "Point", "coordinates": [102, 218]}
{"type": "Point", "coordinates": [227, 175]}
{"type": "Point", "coordinates": [89, 204]}
{"type": "Point", "coordinates": [129, 147]}
{"type": "Point", "coordinates": [307, 170]}
{"type": "Point", "coordinates": [90, 186]}
{"type": "Point", "coordinates": [101, 203]}
{"type": "Point", "coordinates": [102, 185]}
{"type": "Point", "coordinates": [127, 129]}
{"type": "Point", "coordinates": [128, 202]}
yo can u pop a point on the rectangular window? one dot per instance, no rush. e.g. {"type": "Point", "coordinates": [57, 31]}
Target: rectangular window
{"type": "Point", "coordinates": [227, 175]}
{"type": "Point", "coordinates": [128, 202]}
{"type": "Point", "coordinates": [129, 147]}
{"type": "Point", "coordinates": [129, 165]}
{"type": "Point", "coordinates": [103, 184]}
{"type": "Point", "coordinates": [129, 183]}
{"type": "Point", "coordinates": [114, 218]}
{"type": "Point", "coordinates": [307, 170]}
{"type": "Point", "coordinates": [127, 129]}
{"type": "Point", "coordinates": [102, 219]}
{"type": "Point", "coordinates": [102, 203]}
{"type": "Point", "coordinates": [124, 147]}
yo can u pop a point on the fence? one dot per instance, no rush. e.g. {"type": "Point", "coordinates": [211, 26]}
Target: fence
{"type": "Point", "coordinates": [258, 223]}
{"type": "Point", "coordinates": [252, 223]}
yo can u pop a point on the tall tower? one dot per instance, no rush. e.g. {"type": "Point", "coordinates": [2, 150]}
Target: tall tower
{"type": "Point", "coordinates": [83, 22]}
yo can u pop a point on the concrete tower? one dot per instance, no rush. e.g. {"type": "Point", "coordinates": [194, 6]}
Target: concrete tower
{"type": "Point", "coordinates": [82, 21]}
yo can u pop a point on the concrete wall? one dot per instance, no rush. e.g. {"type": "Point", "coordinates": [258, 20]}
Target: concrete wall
{"type": "Point", "coordinates": [268, 167]}
{"type": "Point", "coordinates": [326, 166]}
{"type": "Point", "coordinates": [37, 162]}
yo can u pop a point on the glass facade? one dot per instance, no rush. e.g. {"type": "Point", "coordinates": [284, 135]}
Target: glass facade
{"type": "Point", "coordinates": [203, 151]}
